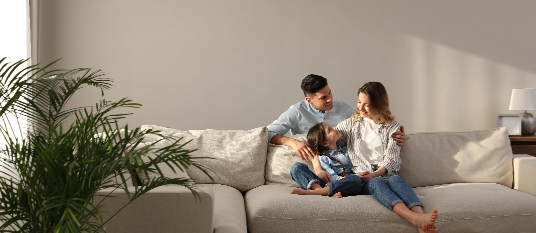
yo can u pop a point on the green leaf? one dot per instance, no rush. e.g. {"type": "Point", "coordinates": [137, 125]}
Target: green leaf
{"type": "Point", "coordinates": [62, 163]}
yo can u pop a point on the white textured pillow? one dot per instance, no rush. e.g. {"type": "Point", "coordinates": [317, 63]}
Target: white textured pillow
{"type": "Point", "coordinates": [166, 170]}
{"type": "Point", "coordinates": [239, 155]}
{"type": "Point", "coordinates": [280, 159]}
{"type": "Point", "coordinates": [483, 156]}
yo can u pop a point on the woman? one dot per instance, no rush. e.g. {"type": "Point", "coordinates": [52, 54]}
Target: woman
{"type": "Point", "coordinates": [376, 157]}
{"type": "Point", "coordinates": [322, 139]}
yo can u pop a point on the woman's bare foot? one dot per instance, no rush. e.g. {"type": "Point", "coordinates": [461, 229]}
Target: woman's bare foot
{"type": "Point", "coordinates": [337, 195]}
{"type": "Point", "coordinates": [426, 222]}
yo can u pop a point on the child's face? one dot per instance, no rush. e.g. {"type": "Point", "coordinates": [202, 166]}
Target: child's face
{"type": "Point", "coordinates": [331, 135]}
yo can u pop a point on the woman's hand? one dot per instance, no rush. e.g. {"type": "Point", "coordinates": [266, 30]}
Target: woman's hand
{"type": "Point", "coordinates": [365, 176]}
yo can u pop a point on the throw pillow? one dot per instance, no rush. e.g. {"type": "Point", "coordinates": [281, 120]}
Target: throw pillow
{"type": "Point", "coordinates": [280, 159]}
{"type": "Point", "coordinates": [483, 156]}
{"type": "Point", "coordinates": [239, 156]}
{"type": "Point", "coordinates": [166, 170]}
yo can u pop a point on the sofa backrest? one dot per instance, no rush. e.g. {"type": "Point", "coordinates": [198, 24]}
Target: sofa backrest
{"type": "Point", "coordinates": [483, 156]}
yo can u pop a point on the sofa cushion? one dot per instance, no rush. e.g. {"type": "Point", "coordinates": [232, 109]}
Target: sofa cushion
{"type": "Point", "coordinates": [280, 159]}
{"type": "Point", "coordinates": [271, 208]}
{"type": "Point", "coordinates": [476, 207]}
{"type": "Point", "coordinates": [229, 211]}
{"type": "Point", "coordinates": [457, 157]}
{"type": "Point", "coordinates": [479, 207]}
{"type": "Point", "coordinates": [239, 155]}
{"type": "Point", "coordinates": [165, 209]}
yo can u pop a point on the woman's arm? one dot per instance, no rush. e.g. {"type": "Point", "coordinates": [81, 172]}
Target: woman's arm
{"type": "Point", "coordinates": [344, 128]}
{"type": "Point", "coordinates": [391, 155]}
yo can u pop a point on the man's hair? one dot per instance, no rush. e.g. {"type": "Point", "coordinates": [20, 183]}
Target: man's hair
{"type": "Point", "coordinates": [312, 84]}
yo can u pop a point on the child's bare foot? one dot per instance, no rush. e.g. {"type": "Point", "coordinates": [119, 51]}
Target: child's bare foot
{"type": "Point", "coordinates": [299, 191]}
{"type": "Point", "coordinates": [426, 222]}
{"type": "Point", "coordinates": [337, 195]}
{"type": "Point", "coordinates": [319, 191]}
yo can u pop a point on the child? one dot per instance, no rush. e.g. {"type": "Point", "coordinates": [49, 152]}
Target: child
{"type": "Point", "coordinates": [322, 138]}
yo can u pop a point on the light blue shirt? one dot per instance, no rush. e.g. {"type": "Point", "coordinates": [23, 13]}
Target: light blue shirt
{"type": "Point", "coordinates": [300, 117]}
{"type": "Point", "coordinates": [334, 168]}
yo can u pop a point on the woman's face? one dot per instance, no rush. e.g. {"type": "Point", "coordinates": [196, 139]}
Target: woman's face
{"type": "Point", "coordinates": [363, 104]}
{"type": "Point", "coordinates": [331, 134]}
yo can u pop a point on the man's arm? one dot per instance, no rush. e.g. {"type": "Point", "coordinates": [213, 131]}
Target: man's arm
{"type": "Point", "coordinates": [281, 126]}
{"type": "Point", "coordinates": [305, 153]}
{"type": "Point", "coordinates": [303, 150]}
{"type": "Point", "coordinates": [400, 137]}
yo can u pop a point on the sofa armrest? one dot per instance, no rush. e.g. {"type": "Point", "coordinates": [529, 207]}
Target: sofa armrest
{"type": "Point", "coordinates": [525, 173]}
{"type": "Point", "coordinates": [169, 208]}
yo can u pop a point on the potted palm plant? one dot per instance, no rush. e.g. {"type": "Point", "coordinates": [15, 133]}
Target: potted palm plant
{"type": "Point", "coordinates": [52, 167]}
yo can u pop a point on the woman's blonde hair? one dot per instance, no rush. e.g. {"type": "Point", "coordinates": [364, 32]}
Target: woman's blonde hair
{"type": "Point", "coordinates": [379, 103]}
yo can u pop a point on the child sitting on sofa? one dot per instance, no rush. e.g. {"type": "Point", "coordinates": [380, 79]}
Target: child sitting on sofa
{"type": "Point", "coordinates": [322, 139]}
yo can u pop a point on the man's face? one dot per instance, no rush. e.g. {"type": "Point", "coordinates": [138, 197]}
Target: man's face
{"type": "Point", "coordinates": [322, 100]}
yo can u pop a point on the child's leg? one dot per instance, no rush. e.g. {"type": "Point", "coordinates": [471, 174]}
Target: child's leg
{"type": "Point", "coordinates": [309, 182]}
{"type": "Point", "coordinates": [316, 190]}
{"type": "Point", "coordinates": [350, 185]}
{"type": "Point", "coordinates": [304, 177]}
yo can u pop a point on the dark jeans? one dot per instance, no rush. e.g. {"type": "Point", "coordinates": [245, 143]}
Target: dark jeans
{"type": "Point", "coordinates": [350, 185]}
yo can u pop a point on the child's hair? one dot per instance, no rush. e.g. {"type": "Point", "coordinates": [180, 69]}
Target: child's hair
{"type": "Point", "coordinates": [315, 138]}
{"type": "Point", "coordinates": [379, 103]}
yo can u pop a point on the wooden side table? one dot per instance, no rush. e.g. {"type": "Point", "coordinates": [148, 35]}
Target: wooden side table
{"type": "Point", "coordinates": [523, 144]}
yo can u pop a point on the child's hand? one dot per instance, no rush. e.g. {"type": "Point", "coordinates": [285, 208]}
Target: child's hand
{"type": "Point", "coordinates": [324, 176]}
{"type": "Point", "coordinates": [340, 177]}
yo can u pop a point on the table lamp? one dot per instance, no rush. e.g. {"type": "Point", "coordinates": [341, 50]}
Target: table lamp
{"type": "Point", "coordinates": [525, 99]}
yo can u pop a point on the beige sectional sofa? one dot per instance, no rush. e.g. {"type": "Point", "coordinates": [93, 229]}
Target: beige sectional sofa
{"type": "Point", "coordinates": [471, 178]}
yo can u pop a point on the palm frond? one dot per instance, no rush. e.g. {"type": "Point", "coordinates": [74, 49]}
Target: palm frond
{"type": "Point", "coordinates": [50, 176]}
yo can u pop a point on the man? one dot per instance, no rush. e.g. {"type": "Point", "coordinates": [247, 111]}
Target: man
{"type": "Point", "coordinates": [318, 106]}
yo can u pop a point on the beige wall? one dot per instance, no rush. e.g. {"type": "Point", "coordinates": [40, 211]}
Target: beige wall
{"type": "Point", "coordinates": [238, 64]}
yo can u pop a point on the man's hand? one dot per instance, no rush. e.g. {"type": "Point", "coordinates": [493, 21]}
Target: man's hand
{"type": "Point", "coordinates": [303, 150]}
{"type": "Point", "coordinates": [400, 137]}
{"type": "Point", "coordinates": [365, 176]}
{"type": "Point", "coordinates": [324, 176]}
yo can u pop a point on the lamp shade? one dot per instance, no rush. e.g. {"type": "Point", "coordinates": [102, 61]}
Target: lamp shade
{"type": "Point", "coordinates": [523, 99]}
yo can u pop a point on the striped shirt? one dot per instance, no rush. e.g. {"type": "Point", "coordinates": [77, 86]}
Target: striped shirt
{"type": "Point", "coordinates": [352, 130]}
